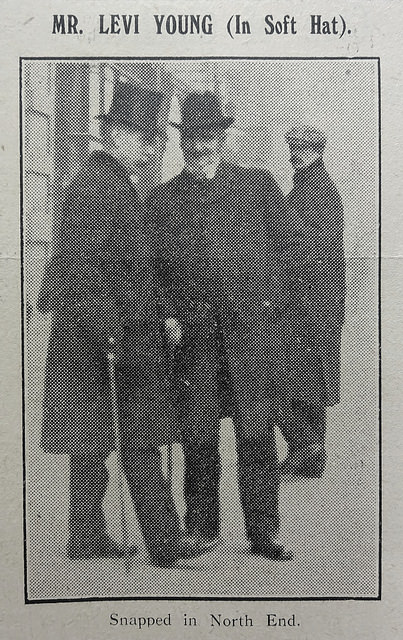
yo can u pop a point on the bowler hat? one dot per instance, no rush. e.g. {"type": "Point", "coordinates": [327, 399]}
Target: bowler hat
{"type": "Point", "coordinates": [134, 107]}
{"type": "Point", "coordinates": [202, 111]}
{"type": "Point", "coordinates": [305, 136]}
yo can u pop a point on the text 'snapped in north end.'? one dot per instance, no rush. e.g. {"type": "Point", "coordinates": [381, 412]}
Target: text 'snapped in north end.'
{"type": "Point", "coordinates": [212, 620]}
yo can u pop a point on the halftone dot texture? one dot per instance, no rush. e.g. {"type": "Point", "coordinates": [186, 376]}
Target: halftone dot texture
{"type": "Point", "coordinates": [331, 523]}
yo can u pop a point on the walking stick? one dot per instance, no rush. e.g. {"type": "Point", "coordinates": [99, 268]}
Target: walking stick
{"type": "Point", "coordinates": [170, 447]}
{"type": "Point", "coordinates": [118, 443]}
{"type": "Point", "coordinates": [172, 352]}
{"type": "Point", "coordinates": [170, 466]}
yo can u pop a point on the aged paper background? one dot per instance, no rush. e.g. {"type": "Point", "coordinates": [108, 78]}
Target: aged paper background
{"type": "Point", "coordinates": [376, 31]}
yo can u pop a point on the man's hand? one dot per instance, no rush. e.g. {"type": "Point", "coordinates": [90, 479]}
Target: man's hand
{"type": "Point", "coordinates": [173, 331]}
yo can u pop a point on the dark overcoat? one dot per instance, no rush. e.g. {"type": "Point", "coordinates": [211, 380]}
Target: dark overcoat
{"type": "Point", "coordinates": [101, 282]}
{"type": "Point", "coordinates": [312, 326]}
{"type": "Point", "coordinates": [218, 242]}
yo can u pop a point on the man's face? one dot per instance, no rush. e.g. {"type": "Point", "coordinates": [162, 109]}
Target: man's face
{"type": "Point", "coordinates": [203, 148]}
{"type": "Point", "coordinates": [302, 155]}
{"type": "Point", "coordinates": [134, 148]}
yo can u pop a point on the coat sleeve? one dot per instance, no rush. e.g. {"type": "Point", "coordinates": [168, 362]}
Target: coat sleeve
{"type": "Point", "coordinates": [319, 269]}
{"type": "Point", "coordinates": [284, 244]}
{"type": "Point", "coordinates": [166, 309]}
{"type": "Point", "coordinates": [79, 278]}
{"type": "Point", "coordinates": [323, 221]}
{"type": "Point", "coordinates": [171, 285]}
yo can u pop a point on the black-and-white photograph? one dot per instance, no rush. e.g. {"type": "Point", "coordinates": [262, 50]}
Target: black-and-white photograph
{"type": "Point", "coordinates": [201, 354]}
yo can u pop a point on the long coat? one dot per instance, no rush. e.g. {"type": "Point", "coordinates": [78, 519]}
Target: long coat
{"type": "Point", "coordinates": [218, 242]}
{"type": "Point", "coordinates": [312, 326]}
{"type": "Point", "coordinates": [99, 282]}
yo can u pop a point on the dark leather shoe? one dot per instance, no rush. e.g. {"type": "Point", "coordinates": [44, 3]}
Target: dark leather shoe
{"type": "Point", "coordinates": [306, 463]}
{"type": "Point", "coordinates": [314, 466]}
{"type": "Point", "coordinates": [272, 551]}
{"type": "Point", "coordinates": [205, 538]}
{"type": "Point", "coordinates": [187, 547]}
{"type": "Point", "coordinates": [190, 547]}
{"type": "Point", "coordinates": [105, 547]}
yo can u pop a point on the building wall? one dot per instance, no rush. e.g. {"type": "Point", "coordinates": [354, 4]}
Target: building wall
{"type": "Point", "coordinates": [39, 168]}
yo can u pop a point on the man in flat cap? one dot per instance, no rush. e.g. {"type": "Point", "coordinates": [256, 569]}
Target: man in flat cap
{"type": "Point", "coordinates": [100, 286]}
{"type": "Point", "coordinates": [219, 227]}
{"type": "Point", "coordinates": [313, 324]}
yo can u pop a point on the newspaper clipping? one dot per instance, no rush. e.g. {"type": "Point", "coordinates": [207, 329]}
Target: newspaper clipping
{"type": "Point", "coordinates": [200, 243]}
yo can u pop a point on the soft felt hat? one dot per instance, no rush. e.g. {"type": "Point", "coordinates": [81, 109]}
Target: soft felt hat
{"type": "Point", "coordinates": [202, 111]}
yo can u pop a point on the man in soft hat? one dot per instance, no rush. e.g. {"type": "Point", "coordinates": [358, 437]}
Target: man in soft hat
{"type": "Point", "coordinates": [314, 323]}
{"type": "Point", "coordinates": [100, 285]}
{"type": "Point", "coordinates": [219, 227]}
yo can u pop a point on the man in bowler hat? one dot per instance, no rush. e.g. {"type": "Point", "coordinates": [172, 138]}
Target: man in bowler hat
{"type": "Point", "coordinates": [219, 227]}
{"type": "Point", "coordinates": [314, 323]}
{"type": "Point", "coordinates": [100, 285]}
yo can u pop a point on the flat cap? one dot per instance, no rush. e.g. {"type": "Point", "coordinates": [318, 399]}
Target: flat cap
{"type": "Point", "coordinates": [305, 136]}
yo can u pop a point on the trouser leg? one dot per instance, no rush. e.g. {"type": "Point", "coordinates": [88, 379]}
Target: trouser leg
{"type": "Point", "coordinates": [225, 393]}
{"type": "Point", "coordinates": [88, 483]}
{"type": "Point", "coordinates": [259, 487]}
{"type": "Point", "coordinates": [201, 439]}
{"type": "Point", "coordinates": [201, 487]}
{"type": "Point", "coordinates": [253, 416]}
{"type": "Point", "coordinates": [153, 501]}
